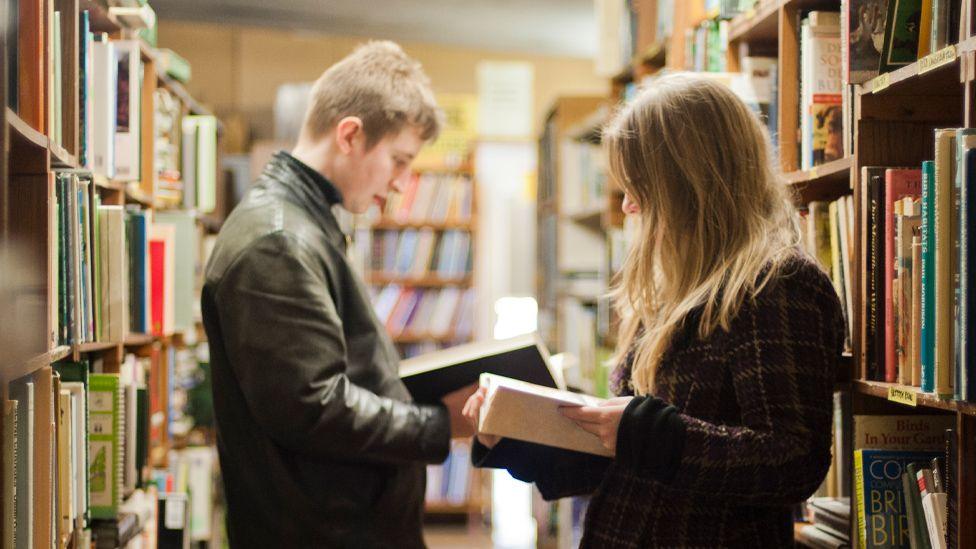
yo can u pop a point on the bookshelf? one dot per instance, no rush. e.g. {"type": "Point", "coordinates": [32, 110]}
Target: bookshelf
{"type": "Point", "coordinates": [43, 139]}
{"type": "Point", "coordinates": [419, 253]}
{"type": "Point", "coordinates": [890, 122]}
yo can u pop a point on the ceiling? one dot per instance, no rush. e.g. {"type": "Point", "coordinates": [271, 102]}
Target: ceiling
{"type": "Point", "coordinates": [554, 27]}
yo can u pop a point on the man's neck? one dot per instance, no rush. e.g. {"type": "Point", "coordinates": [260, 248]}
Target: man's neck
{"type": "Point", "coordinates": [317, 155]}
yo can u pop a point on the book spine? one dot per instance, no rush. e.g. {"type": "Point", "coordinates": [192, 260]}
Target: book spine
{"type": "Point", "coordinates": [927, 347]}
{"type": "Point", "coordinates": [943, 262]}
{"type": "Point", "coordinates": [968, 297]}
{"type": "Point", "coordinates": [898, 184]}
{"type": "Point", "coordinates": [915, 334]}
{"type": "Point", "coordinates": [862, 531]}
{"type": "Point", "coordinates": [875, 336]}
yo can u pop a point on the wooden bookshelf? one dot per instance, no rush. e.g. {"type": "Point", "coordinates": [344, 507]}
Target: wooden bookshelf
{"type": "Point", "coordinates": [893, 119]}
{"type": "Point", "coordinates": [394, 225]}
{"type": "Point", "coordinates": [382, 279]}
{"type": "Point", "coordinates": [29, 159]}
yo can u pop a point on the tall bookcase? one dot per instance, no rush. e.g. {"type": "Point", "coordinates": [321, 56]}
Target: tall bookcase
{"type": "Point", "coordinates": [891, 122]}
{"type": "Point", "coordinates": [29, 238]}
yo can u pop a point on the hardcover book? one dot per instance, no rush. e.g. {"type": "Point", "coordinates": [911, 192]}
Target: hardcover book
{"type": "Point", "coordinates": [431, 376]}
{"type": "Point", "coordinates": [883, 520]}
{"type": "Point", "coordinates": [523, 411]}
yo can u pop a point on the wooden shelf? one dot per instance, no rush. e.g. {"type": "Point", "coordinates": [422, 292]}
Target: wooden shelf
{"type": "Point", "coordinates": [440, 508]}
{"type": "Point", "coordinates": [393, 225]}
{"type": "Point", "coordinates": [139, 340]}
{"type": "Point", "coordinates": [104, 183]}
{"type": "Point", "coordinates": [94, 347]}
{"type": "Point", "coordinates": [591, 217]}
{"type": "Point", "coordinates": [759, 24]}
{"type": "Point", "coordinates": [101, 19]}
{"type": "Point", "coordinates": [381, 279]}
{"type": "Point", "coordinates": [22, 132]}
{"type": "Point", "coordinates": [927, 76]}
{"type": "Point", "coordinates": [424, 338]}
{"type": "Point", "coordinates": [825, 182]}
{"type": "Point", "coordinates": [35, 363]}
{"type": "Point", "coordinates": [881, 389]}
{"type": "Point", "coordinates": [60, 158]}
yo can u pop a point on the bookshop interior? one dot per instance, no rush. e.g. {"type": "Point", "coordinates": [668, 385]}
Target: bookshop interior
{"type": "Point", "coordinates": [406, 273]}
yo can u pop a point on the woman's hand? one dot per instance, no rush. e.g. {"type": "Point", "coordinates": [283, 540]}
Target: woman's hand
{"type": "Point", "coordinates": [471, 411]}
{"type": "Point", "coordinates": [602, 421]}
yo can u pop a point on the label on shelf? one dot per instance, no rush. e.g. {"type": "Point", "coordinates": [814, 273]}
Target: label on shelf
{"type": "Point", "coordinates": [903, 395]}
{"type": "Point", "coordinates": [881, 82]}
{"type": "Point", "coordinates": [935, 60]}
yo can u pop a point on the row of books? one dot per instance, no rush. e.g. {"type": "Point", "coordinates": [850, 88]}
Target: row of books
{"type": "Point", "coordinates": [706, 46]}
{"type": "Point", "coordinates": [916, 269]}
{"type": "Point", "coordinates": [432, 198]}
{"type": "Point", "coordinates": [583, 173]}
{"type": "Point", "coordinates": [906, 483]}
{"type": "Point", "coordinates": [421, 252]}
{"type": "Point", "coordinates": [911, 30]}
{"type": "Point", "coordinates": [434, 313]}
{"type": "Point", "coordinates": [75, 443]}
{"type": "Point", "coordinates": [117, 267]}
{"type": "Point", "coordinates": [828, 236]}
{"type": "Point", "coordinates": [450, 482]}
{"type": "Point", "coordinates": [830, 520]}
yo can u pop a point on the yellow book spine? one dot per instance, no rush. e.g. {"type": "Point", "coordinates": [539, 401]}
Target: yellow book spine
{"type": "Point", "coordinates": [944, 143]}
{"type": "Point", "coordinates": [925, 29]}
{"type": "Point", "coordinates": [862, 531]}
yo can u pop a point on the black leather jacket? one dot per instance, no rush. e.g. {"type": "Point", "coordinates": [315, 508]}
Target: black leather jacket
{"type": "Point", "coordinates": [319, 443]}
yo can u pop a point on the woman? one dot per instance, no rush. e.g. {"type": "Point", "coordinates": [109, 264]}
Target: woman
{"type": "Point", "coordinates": [730, 340]}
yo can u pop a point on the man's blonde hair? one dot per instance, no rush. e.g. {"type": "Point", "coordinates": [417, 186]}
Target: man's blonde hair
{"type": "Point", "coordinates": [382, 86]}
{"type": "Point", "coordinates": [716, 221]}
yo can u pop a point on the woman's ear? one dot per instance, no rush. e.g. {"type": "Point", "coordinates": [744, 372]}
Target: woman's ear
{"type": "Point", "coordinates": [629, 206]}
{"type": "Point", "coordinates": [347, 131]}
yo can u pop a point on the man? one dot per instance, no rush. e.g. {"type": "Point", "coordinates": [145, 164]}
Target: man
{"type": "Point", "coordinates": [319, 442]}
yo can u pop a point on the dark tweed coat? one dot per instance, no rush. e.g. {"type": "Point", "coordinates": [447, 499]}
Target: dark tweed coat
{"type": "Point", "coordinates": [738, 430]}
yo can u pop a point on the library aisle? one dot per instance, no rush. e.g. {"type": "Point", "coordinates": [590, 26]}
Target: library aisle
{"type": "Point", "coordinates": [133, 132]}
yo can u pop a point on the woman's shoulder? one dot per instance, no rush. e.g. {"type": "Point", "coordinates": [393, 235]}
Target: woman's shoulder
{"type": "Point", "coordinates": [799, 277]}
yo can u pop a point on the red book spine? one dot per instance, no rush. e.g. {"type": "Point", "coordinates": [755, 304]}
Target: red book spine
{"type": "Point", "coordinates": [899, 183]}
{"type": "Point", "coordinates": [157, 281]}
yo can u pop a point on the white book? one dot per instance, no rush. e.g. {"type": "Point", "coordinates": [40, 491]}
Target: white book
{"type": "Point", "coordinates": [10, 452]}
{"type": "Point", "coordinates": [185, 233]}
{"type": "Point", "coordinates": [23, 392]}
{"type": "Point", "coordinates": [127, 116]}
{"type": "Point", "coordinates": [820, 87]}
{"type": "Point", "coordinates": [524, 411]}
{"type": "Point", "coordinates": [206, 160]}
{"type": "Point", "coordinates": [80, 402]}
{"type": "Point", "coordinates": [934, 507]}
{"type": "Point", "coordinates": [447, 303]}
{"type": "Point", "coordinates": [104, 78]}
{"type": "Point", "coordinates": [112, 220]}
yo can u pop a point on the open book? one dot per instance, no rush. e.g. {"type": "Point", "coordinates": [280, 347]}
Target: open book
{"type": "Point", "coordinates": [523, 411]}
{"type": "Point", "coordinates": [430, 376]}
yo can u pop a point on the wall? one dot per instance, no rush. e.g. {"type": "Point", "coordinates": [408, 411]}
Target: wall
{"type": "Point", "coordinates": [238, 69]}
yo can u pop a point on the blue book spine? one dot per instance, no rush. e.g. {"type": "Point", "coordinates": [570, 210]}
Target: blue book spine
{"type": "Point", "coordinates": [83, 129]}
{"type": "Point", "coordinates": [966, 282]}
{"type": "Point", "coordinates": [927, 347]}
{"type": "Point", "coordinates": [138, 291]}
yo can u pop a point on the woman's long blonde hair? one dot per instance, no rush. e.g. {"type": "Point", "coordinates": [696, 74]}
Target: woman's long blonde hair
{"type": "Point", "coordinates": [715, 221]}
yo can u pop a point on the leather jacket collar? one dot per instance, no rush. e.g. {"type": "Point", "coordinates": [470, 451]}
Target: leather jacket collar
{"type": "Point", "coordinates": [311, 190]}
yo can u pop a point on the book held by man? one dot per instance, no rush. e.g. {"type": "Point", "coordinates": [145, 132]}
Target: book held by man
{"type": "Point", "coordinates": [430, 376]}
{"type": "Point", "coordinates": [524, 411]}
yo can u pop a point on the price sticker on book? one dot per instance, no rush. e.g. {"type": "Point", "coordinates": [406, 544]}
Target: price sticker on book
{"type": "Point", "coordinates": [881, 82]}
{"type": "Point", "coordinates": [903, 395]}
{"type": "Point", "coordinates": [938, 59]}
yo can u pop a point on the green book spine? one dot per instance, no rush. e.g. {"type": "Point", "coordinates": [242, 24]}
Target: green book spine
{"type": "Point", "coordinates": [105, 444]}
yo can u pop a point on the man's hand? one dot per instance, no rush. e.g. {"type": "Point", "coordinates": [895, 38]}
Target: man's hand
{"type": "Point", "coordinates": [471, 411]}
{"type": "Point", "coordinates": [455, 401]}
{"type": "Point", "coordinates": [602, 421]}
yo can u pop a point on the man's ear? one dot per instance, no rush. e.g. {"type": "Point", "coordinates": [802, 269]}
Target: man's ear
{"type": "Point", "coordinates": [347, 131]}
